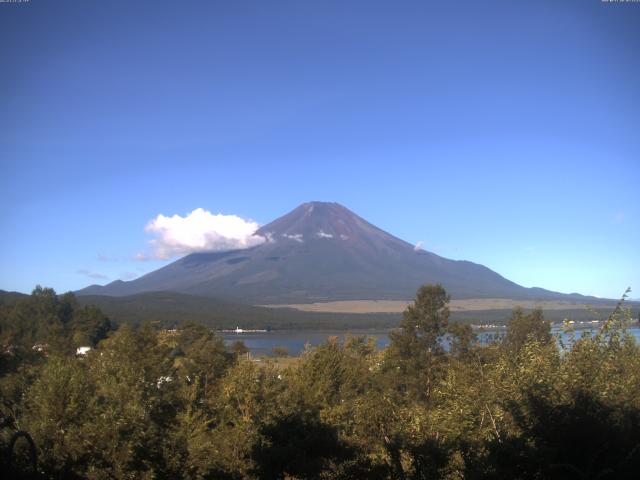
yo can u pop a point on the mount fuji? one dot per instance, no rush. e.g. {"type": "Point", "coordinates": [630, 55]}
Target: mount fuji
{"type": "Point", "coordinates": [323, 252]}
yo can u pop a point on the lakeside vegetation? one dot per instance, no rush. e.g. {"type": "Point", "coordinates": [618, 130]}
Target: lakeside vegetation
{"type": "Point", "coordinates": [148, 403]}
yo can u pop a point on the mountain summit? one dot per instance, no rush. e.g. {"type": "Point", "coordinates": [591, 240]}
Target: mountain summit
{"type": "Point", "coordinates": [322, 252]}
{"type": "Point", "coordinates": [333, 223]}
{"type": "Point", "coordinates": [323, 220]}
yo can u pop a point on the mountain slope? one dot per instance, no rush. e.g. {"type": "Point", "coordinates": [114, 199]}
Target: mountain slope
{"type": "Point", "coordinates": [321, 252]}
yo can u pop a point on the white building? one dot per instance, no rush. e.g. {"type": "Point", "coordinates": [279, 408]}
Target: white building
{"type": "Point", "coordinates": [82, 350]}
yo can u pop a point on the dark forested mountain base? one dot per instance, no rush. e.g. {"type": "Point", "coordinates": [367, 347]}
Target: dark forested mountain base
{"type": "Point", "coordinates": [168, 309]}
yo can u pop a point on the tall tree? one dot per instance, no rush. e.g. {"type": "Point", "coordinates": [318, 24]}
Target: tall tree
{"type": "Point", "coordinates": [525, 327]}
{"type": "Point", "coordinates": [416, 349]}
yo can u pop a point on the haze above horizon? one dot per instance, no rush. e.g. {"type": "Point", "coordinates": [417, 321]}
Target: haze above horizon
{"type": "Point", "coordinates": [500, 132]}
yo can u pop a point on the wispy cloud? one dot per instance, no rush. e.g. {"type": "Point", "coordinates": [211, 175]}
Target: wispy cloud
{"type": "Point", "coordinates": [322, 234]}
{"type": "Point", "coordinates": [128, 275]}
{"type": "Point", "coordinates": [200, 231]}
{"type": "Point", "coordinates": [419, 246]}
{"type": "Point", "coordinates": [90, 274]}
{"type": "Point", "coordinates": [297, 237]}
{"type": "Point", "coordinates": [106, 258]}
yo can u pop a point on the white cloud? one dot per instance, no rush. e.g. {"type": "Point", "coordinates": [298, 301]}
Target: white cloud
{"type": "Point", "coordinates": [200, 231]}
{"type": "Point", "coordinates": [297, 237]}
{"type": "Point", "coordinates": [419, 246]}
{"type": "Point", "coordinates": [322, 234]}
{"type": "Point", "coordinates": [344, 237]}
{"type": "Point", "coordinates": [90, 274]}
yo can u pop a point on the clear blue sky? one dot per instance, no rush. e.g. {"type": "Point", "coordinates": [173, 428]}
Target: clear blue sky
{"type": "Point", "coordinates": [502, 132]}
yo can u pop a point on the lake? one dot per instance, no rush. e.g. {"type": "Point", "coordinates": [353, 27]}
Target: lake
{"type": "Point", "coordinates": [262, 343]}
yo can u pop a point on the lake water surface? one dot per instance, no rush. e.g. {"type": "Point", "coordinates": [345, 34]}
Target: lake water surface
{"type": "Point", "coordinates": [262, 343]}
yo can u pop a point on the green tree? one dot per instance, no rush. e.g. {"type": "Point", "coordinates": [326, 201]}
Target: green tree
{"type": "Point", "coordinates": [89, 325]}
{"type": "Point", "coordinates": [416, 351]}
{"type": "Point", "coordinates": [461, 340]}
{"type": "Point", "coordinates": [203, 356]}
{"type": "Point", "coordinates": [524, 327]}
{"type": "Point", "coordinates": [57, 411]}
{"type": "Point", "coordinates": [248, 396]}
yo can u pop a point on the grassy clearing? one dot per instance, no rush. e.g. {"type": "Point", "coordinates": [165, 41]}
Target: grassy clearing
{"type": "Point", "coordinates": [397, 306]}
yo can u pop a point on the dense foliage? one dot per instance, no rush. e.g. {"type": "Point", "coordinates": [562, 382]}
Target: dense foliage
{"type": "Point", "coordinates": [152, 403]}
